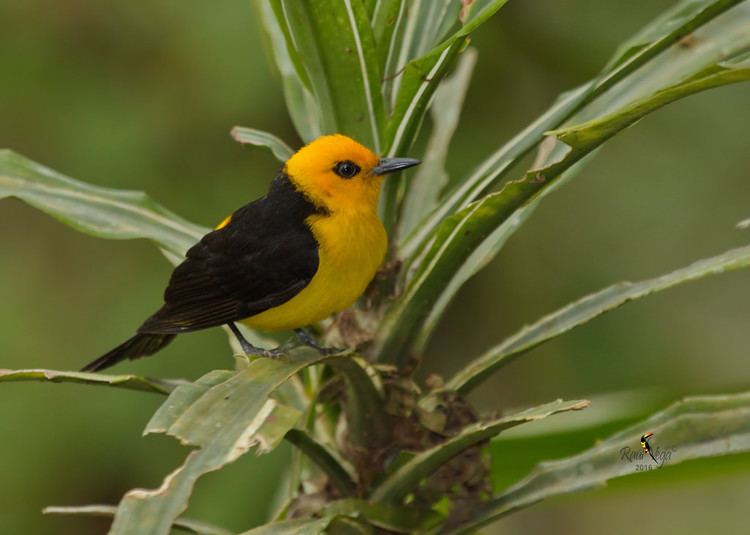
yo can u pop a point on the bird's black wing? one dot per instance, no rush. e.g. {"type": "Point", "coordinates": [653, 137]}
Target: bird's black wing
{"type": "Point", "coordinates": [263, 257]}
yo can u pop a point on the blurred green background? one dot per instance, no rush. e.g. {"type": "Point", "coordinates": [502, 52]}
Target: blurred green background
{"type": "Point", "coordinates": [141, 95]}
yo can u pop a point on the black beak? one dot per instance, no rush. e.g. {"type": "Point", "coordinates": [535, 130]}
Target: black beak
{"type": "Point", "coordinates": [390, 165]}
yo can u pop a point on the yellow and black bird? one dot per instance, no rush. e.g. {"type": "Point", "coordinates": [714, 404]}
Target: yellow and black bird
{"type": "Point", "coordinates": [304, 251]}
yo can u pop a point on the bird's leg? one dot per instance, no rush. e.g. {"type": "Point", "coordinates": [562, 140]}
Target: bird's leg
{"type": "Point", "coordinates": [307, 339]}
{"type": "Point", "coordinates": [250, 349]}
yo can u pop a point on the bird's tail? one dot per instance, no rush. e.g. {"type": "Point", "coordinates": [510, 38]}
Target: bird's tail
{"type": "Point", "coordinates": [140, 345]}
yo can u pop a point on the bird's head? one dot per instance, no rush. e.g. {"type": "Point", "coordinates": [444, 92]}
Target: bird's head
{"type": "Point", "coordinates": [338, 173]}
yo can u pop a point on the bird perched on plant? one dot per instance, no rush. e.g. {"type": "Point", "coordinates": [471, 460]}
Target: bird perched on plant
{"type": "Point", "coordinates": [304, 251]}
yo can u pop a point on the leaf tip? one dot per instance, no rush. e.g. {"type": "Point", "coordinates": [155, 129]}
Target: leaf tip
{"type": "Point", "coordinates": [580, 405]}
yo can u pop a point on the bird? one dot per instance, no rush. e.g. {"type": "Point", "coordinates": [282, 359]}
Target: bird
{"type": "Point", "coordinates": [304, 251]}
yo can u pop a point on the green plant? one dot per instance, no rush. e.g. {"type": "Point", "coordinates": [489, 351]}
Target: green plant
{"type": "Point", "coordinates": [394, 457]}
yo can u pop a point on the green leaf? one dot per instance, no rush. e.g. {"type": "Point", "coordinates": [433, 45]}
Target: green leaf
{"type": "Point", "coordinates": [299, 100]}
{"type": "Point", "coordinates": [409, 475]}
{"type": "Point", "coordinates": [370, 6]}
{"type": "Point", "coordinates": [640, 50]}
{"type": "Point", "coordinates": [689, 429]}
{"type": "Point", "coordinates": [426, 20]}
{"type": "Point", "coordinates": [182, 523]}
{"type": "Point", "coordinates": [489, 248]}
{"type": "Point", "coordinates": [674, 24]}
{"type": "Point", "coordinates": [337, 474]}
{"type": "Point", "coordinates": [152, 511]}
{"type": "Point", "coordinates": [129, 382]}
{"type": "Point", "coordinates": [571, 433]}
{"type": "Point", "coordinates": [420, 79]}
{"type": "Point", "coordinates": [368, 423]}
{"type": "Point", "coordinates": [462, 234]}
{"type": "Point", "coordinates": [584, 137]}
{"type": "Point", "coordinates": [413, 89]}
{"type": "Point", "coordinates": [259, 138]}
{"type": "Point", "coordinates": [219, 393]}
{"type": "Point", "coordinates": [102, 212]}
{"type": "Point", "coordinates": [488, 171]}
{"type": "Point", "coordinates": [431, 177]}
{"type": "Point", "coordinates": [335, 43]}
{"type": "Point", "coordinates": [301, 526]}
{"type": "Point", "coordinates": [386, 21]}
{"type": "Point", "coordinates": [224, 414]}
{"type": "Point", "coordinates": [610, 407]}
{"type": "Point", "coordinates": [586, 309]}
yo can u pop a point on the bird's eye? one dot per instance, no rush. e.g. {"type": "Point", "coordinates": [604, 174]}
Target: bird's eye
{"type": "Point", "coordinates": [346, 169]}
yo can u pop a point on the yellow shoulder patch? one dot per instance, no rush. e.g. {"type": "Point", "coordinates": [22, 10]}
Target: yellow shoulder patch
{"type": "Point", "coordinates": [223, 223]}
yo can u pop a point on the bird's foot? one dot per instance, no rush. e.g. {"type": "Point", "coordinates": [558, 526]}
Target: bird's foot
{"type": "Point", "coordinates": [275, 353]}
{"type": "Point", "coordinates": [249, 349]}
{"type": "Point", "coordinates": [307, 339]}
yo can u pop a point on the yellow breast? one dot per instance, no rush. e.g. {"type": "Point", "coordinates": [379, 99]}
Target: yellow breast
{"type": "Point", "coordinates": [352, 245]}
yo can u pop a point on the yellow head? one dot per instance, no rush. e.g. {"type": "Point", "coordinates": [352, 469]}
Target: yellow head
{"type": "Point", "coordinates": [339, 174]}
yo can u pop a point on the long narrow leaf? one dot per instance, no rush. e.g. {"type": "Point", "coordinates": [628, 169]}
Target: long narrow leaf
{"type": "Point", "coordinates": [484, 175]}
{"type": "Point", "coordinates": [370, 7]}
{"type": "Point", "coordinates": [400, 50]}
{"type": "Point", "coordinates": [676, 23]}
{"type": "Point", "coordinates": [421, 77]}
{"type": "Point", "coordinates": [431, 176]}
{"type": "Point", "coordinates": [418, 80]}
{"type": "Point", "coordinates": [335, 42]}
{"type": "Point", "coordinates": [368, 422]}
{"type": "Point", "coordinates": [388, 56]}
{"type": "Point", "coordinates": [303, 109]}
{"type": "Point", "coordinates": [424, 21]}
{"type": "Point", "coordinates": [337, 474]}
{"type": "Point", "coordinates": [259, 138]}
{"type": "Point", "coordinates": [718, 40]}
{"type": "Point", "coordinates": [408, 476]}
{"type": "Point", "coordinates": [183, 524]}
{"type": "Point", "coordinates": [129, 382]}
{"type": "Point", "coordinates": [222, 414]}
{"type": "Point", "coordinates": [689, 429]}
{"type": "Point", "coordinates": [460, 235]}
{"type": "Point", "coordinates": [386, 21]}
{"type": "Point", "coordinates": [102, 212]}
{"type": "Point", "coordinates": [586, 309]}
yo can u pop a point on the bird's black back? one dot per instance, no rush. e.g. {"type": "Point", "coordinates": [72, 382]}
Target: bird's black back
{"type": "Point", "coordinates": [263, 257]}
